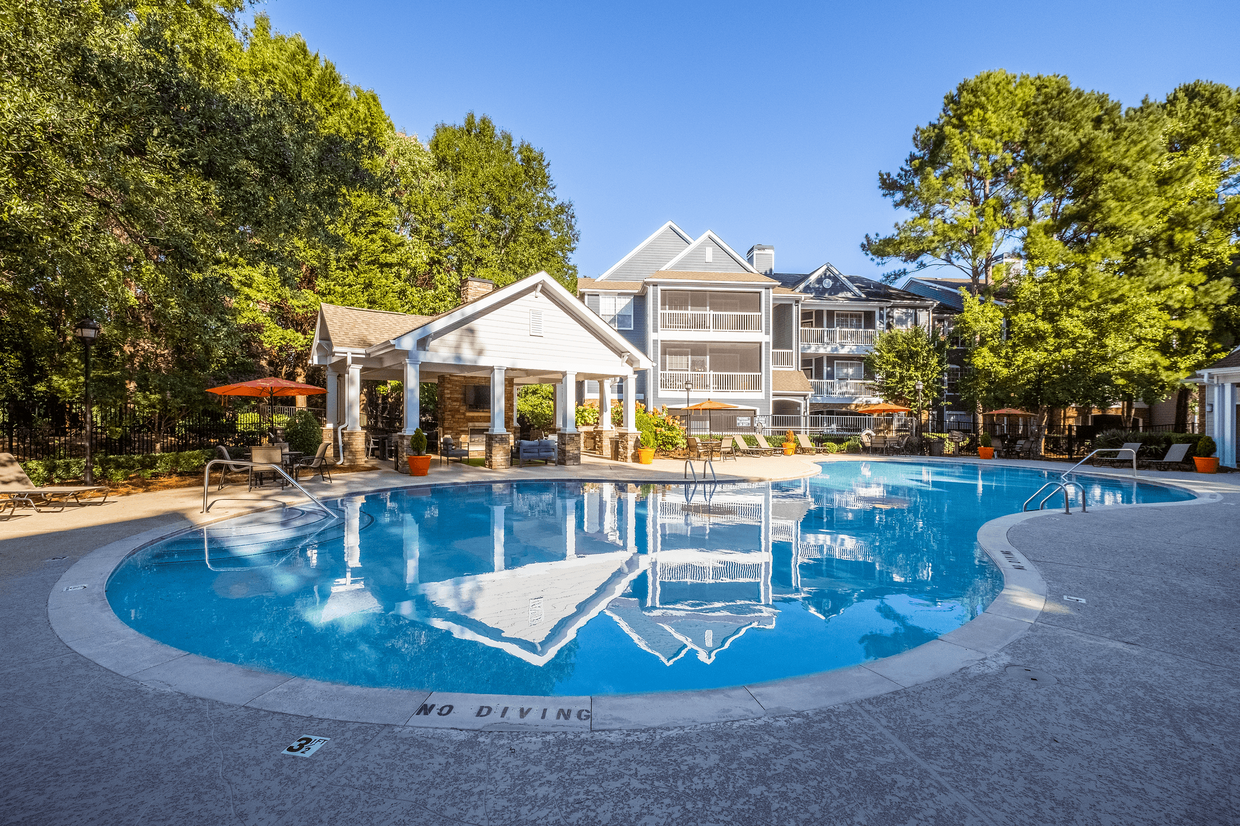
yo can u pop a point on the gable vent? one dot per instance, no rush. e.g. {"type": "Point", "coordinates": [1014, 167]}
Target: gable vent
{"type": "Point", "coordinates": [710, 255]}
{"type": "Point", "coordinates": [536, 328]}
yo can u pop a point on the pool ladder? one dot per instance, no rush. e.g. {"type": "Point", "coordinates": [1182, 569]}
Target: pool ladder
{"type": "Point", "coordinates": [1063, 483]}
{"type": "Point", "coordinates": [206, 482]}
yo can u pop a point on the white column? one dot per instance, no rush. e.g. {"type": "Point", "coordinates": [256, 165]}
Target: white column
{"type": "Point", "coordinates": [570, 528]}
{"type": "Point", "coordinates": [353, 397]}
{"type": "Point", "coordinates": [497, 537]}
{"type": "Point", "coordinates": [630, 519]}
{"type": "Point", "coordinates": [412, 551]}
{"type": "Point", "coordinates": [630, 403]}
{"type": "Point", "coordinates": [604, 404]}
{"type": "Point", "coordinates": [559, 405]}
{"type": "Point", "coordinates": [570, 402]}
{"type": "Point", "coordinates": [333, 397]}
{"type": "Point", "coordinates": [497, 400]}
{"type": "Point", "coordinates": [413, 393]}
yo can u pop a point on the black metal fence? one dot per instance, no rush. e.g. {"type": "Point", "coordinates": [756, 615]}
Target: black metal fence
{"type": "Point", "coordinates": [58, 431]}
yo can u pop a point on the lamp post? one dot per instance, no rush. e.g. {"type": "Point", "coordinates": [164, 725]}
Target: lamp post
{"type": "Point", "coordinates": [688, 387]}
{"type": "Point", "coordinates": [86, 331]}
{"type": "Point", "coordinates": [918, 387]}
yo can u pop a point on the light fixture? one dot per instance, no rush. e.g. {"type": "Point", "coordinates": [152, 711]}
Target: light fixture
{"type": "Point", "coordinates": [86, 331]}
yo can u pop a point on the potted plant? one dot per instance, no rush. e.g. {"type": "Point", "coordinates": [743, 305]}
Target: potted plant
{"type": "Point", "coordinates": [645, 453]}
{"type": "Point", "coordinates": [984, 450]}
{"type": "Point", "coordinates": [1204, 457]}
{"type": "Point", "coordinates": [419, 462]}
{"type": "Point", "coordinates": [790, 443]}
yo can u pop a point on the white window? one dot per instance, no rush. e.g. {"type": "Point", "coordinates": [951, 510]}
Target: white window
{"type": "Point", "coordinates": [849, 370]}
{"type": "Point", "coordinates": [902, 318]}
{"type": "Point", "coordinates": [676, 360]}
{"type": "Point", "coordinates": [849, 321]}
{"type": "Point", "coordinates": [953, 378]}
{"type": "Point", "coordinates": [616, 310]}
{"type": "Point", "coordinates": [536, 328]}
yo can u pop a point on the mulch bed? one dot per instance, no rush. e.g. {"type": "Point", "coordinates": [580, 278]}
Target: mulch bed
{"type": "Point", "coordinates": [187, 480]}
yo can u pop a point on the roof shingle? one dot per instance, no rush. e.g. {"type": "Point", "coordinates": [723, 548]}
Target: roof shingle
{"type": "Point", "coordinates": [354, 327]}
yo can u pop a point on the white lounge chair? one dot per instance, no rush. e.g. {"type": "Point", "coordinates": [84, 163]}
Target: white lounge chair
{"type": "Point", "coordinates": [15, 486]}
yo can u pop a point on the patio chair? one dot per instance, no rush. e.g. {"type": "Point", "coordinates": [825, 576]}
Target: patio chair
{"type": "Point", "coordinates": [221, 452]}
{"type": "Point", "coordinates": [805, 446]}
{"type": "Point", "coordinates": [15, 486]}
{"type": "Point", "coordinates": [1120, 459]}
{"type": "Point", "coordinates": [319, 463]}
{"type": "Point", "coordinates": [449, 451]}
{"type": "Point", "coordinates": [1175, 459]}
{"type": "Point", "coordinates": [896, 445]}
{"type": "Point", "coordinates": [1015, 450]}
{"type": "Point", "coordinates": [271, 457]}
{"type": "Point", "coordinates": [762, 444]}
{"type": "Point", "coordinates": [727, 449]}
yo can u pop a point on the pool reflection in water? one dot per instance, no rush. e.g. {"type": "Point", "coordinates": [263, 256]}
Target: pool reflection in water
{"type": "Point", "coordinates": [590, 588]}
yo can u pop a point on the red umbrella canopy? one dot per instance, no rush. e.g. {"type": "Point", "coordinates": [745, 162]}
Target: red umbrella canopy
{"type": "Point", "coordinates": [1007, 411]}
{"type": "Point", "coordinates": [267, 387]}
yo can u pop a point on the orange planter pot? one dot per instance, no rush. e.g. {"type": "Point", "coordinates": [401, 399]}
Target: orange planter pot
{"type": "Point", "coordinates": [645, 455]}
{"type": "Point", "coordinates": [1206, 464]}
{"type": "Point", "coordinates": [419, 465]}
{"type": "Point", "coordinates": [790, 448]}
{"type": "Point", "coordinates": [985, 453]}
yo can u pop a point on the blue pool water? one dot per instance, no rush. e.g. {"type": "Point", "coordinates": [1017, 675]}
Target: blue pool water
{"type": "Point", "coordinates": [572, 588]}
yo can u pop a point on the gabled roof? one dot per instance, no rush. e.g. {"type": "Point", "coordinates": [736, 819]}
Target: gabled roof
{"type": "Point", "coordinates": [884, 292]}
{"type": "Point", "coordinates": [828, 282]}
{"type": "Point", "coordinates": [1232, 359]}
{"type": "Point", "coordinates": [357, 328]}
{"type": "Point", "coordinates": [710, 237]}
{"type": "Point", "coordinates": [654, 236]}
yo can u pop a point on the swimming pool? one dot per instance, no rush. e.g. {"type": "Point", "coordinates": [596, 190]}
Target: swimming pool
{"type": "Point", "coordinates": [575, 588]}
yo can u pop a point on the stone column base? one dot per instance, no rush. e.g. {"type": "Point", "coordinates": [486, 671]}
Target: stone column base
{"type": "Point", "coordinates": [329, 436]}
{"type": "Point", "coordinates": [499, 451]}
{"type": "Point", "coordinates": [568, 449]}
{"type": "Point", "coordinates": [400, 449]}
{"type": "Point", "coordinates": [624, 447]}
{"type": "Point", "coordinates": [602, 442]}
{"type": "Point", "coordinates": [354, 447]}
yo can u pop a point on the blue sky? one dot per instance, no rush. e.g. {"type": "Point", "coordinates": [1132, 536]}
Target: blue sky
{"type": "Point", "coordinates": [765, 122]}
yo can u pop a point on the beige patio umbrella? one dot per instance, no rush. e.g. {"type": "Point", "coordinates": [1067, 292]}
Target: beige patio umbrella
{"type": "Point", "coordinates": [709, 404]}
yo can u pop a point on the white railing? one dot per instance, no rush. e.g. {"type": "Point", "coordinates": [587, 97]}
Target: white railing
{"type": "Point", "coordinates": [782, 359]}
{"type": "Point", "coordinates": [837, 388]}
{"type": "Point", "coordinates": [839, 424]}
{"type": "Point", "coordinates": [837, 335]}
{"type": "Point", "coordinates": [707, 321]}
{"type": "Point", "coordinates": [782, 423]}
{"type": "Point", "coordinates": [711, 382]}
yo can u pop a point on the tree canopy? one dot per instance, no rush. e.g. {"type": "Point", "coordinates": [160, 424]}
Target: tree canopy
{"type": "Point", "coordinates": [200, 188]}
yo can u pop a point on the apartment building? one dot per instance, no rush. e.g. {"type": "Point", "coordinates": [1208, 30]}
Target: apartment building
{"type": "Point", "coordinates": [782, 347]}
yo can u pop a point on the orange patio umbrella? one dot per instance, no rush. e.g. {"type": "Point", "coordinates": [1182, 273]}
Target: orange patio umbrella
{"type": "Point", "coordinates": [269, 387]}
{"type": "Point", "coordinates": [1007, 411]}
{"type": "Point", "coordinates": [710, 404]}
{"type": "Point", "coordinates": [892, 409]}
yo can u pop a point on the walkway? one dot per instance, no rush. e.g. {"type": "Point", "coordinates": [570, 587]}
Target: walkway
{"type": "Point", "coordinates": [1134, 716]}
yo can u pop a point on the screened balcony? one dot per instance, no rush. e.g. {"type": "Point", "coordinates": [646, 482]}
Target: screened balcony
{"type": "Point", "coordinates": [710, 367]}
{"type": "Point", "coordinates": [710, 311]}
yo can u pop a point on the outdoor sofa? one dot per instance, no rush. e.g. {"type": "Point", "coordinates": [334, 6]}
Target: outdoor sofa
{"type": "Point", "coordinates": [533, 451]}
{"type": "Point", "coordinates": [15, 486]}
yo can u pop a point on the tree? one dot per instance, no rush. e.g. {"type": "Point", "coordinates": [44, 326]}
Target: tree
{"type": "Point", "coordinates": [493, 213]}
{"type": "Point", "coordinates": [965, 182]}
{"type": "Point", "coordinates": [900, 359]}
{"type": "Point", "coordinates": [536, 402]}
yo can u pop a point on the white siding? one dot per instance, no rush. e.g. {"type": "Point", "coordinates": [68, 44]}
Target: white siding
{"type": "Point", "coordinates": [505, 332]}
{"type": "Point", "coordinates": [695, 260]}
{"type": "Point", "coordinates": [661, 249]}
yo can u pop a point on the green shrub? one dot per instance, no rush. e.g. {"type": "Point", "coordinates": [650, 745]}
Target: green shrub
{"type": "Point", "coordinates": [984, 439]}
{"type": "Point", "coordinates": [853, 445]}
{"type": "Point", "coordinates": [831, 447]}
{"type": "Point", "coordinates": [665, 431]}
{"type": "Point", "coordinates": [647, 438]}
{"type": "Point", "coordinates": [304, 434]}
{"type": "Point", "coordinates": [1153, 442]}
{"type": "Point", "coordinates": [1205, 447]}
{"type": "Point", "coordinates": [417, 443]}
{"type": "Point", "coordinates": [116, 469]}
{"type": "Point", "coordinates": [586, 415]}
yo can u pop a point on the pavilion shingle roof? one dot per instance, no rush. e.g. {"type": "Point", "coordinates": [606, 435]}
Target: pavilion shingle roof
{"type": "Point", "coordinates": [355, 327]}
{"type": "Point", "coordinates": [790, 381]}
{"type": "Point", "coordinates": [1232, 359]}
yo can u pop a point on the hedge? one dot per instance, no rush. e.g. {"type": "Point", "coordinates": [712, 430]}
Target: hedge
{"type": "Point", "coordinates": [117, 468]}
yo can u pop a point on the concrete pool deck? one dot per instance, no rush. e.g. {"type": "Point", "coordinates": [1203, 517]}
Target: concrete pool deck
{"type": "Point", "coordinates": [1132, 717]}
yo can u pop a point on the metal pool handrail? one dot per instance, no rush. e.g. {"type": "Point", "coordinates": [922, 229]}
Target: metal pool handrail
{"type": "Point", "coordinates": [1064, 482]}
{"type": "Point", "coordinates": [206, 482]}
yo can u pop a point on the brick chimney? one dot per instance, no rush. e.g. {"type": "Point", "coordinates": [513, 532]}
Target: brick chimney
{"type": "Point", "coordinates": [762, 258]}
{"type": "Point", "coordinates": [472, 288]}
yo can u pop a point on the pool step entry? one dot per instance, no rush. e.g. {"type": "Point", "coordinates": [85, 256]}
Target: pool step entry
{"type": "Point", "coordinates": [255, 541]}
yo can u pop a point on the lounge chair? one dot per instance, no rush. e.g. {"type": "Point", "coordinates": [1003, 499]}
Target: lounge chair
{"type": "Point", "coordinates": [15, 486]}
{"type": "Point", "coordinates": [805, 446]}
{"type": "Point", "coordinates": [449, 451]}
{"type": "Point", "coordinates": [1121, 459]}
{"type": "Point", "coordinates": [319, 463]}
{"type": "Point", "coordinates": [762, 444]}
{"type": "Point", "coordinates": [1176, 456]}
{"type": "Point", "coordinates": [745, 448]}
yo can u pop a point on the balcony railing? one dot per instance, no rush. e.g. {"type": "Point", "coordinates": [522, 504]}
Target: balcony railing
{"type": "Point", "coordinates": [837, 388]}
{"type": "Point", "coordinates": [847, 336]}
{"type": "Point", "coordinates": [705, 321]}
{"type": "Point", "coordinates": [711, 382]}
{"type": "Point", "coordinates": [782, 359]}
